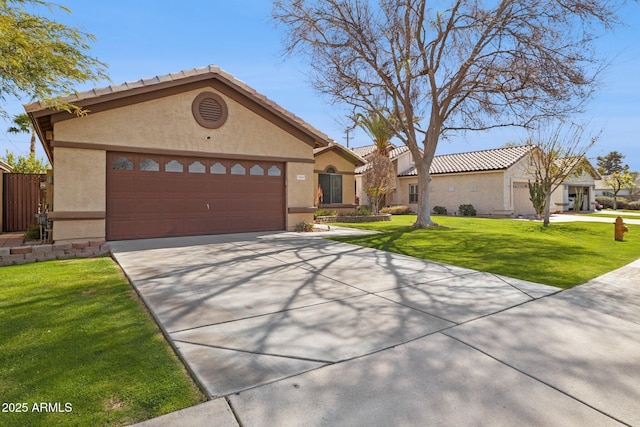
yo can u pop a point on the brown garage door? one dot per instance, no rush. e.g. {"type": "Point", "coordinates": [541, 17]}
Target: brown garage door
{"type": "Point", "coordinates": [162, 196]}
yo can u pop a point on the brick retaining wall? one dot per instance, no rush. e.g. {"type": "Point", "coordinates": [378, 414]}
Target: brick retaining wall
{"type": "Point", "coordinates": [27, 254]}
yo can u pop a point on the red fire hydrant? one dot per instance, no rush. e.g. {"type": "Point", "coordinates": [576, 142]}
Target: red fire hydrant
{"type": "Point", "coordinates": [620, 229]}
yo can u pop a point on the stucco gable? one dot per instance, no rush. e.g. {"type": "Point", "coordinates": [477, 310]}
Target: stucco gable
{"type": "Point", "coordinates": [129, 93]}
{"type": "Point", "coordinates": [341, 151]}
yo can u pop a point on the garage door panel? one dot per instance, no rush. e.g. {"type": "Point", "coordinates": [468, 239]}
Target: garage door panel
{"type": "Point", "coordinates": [203, 197]}
{"type": "Point", "coordinates": [123, 206]}
{"type": "Point", "coordinates": [120, 229]}
{"type": "Point", "coordinates": [146, 180]}
{"type": "Point", "coordinates": [201, 204]}
{"type": "Point", "coordinates": [147, 207]}
{"type": "Point", "coordinates": [219, 207]}
{"type": "Point", "coordinates": [173, 185]}
{"type": "Point", "coordinates": [274, 222]}
{"type": "Point", "coordinates": [237, 204]}
{"type": "Point", "coordinates": [172, 227]}
{"type": "Point", "coordinates": [122, 181]}
{"type": "Point", "coordinates": [173, 206]}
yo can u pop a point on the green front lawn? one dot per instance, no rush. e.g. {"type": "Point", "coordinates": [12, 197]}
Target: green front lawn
{"type": "Point", "coordinates": [562, 254]}
{"type": "Point", "coordinates": [75, 337]}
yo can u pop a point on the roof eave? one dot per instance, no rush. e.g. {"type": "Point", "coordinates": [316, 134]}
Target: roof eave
{"type": "Point", "coordinates": [41, 116]}
{"type": "Point", "coordinates": [343, 152]}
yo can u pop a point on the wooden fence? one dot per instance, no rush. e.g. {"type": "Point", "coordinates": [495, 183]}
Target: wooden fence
{"type": "Point", "coordinates": [21, 196]}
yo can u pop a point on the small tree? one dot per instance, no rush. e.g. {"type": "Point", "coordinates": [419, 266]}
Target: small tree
{"type": "Point", "coordinates": [40, 57]}
{"type": "Point", "coordinates": [634, 186]}
{"type": "Point", "coordinates": [22, 124]}
{"type": "Point", "coordinates": [617, 181]}
{"type": "Point", "coordinates": [611, 163]}
{"type": "Point", "coordinates": [537, 197]}
{"type": "Point", "coordinates": [378, 180]}
{"type": "Point", "coordinates": [560, 151]}
{"type": "Point", "coordinates": [579, 199]}
{"type": "Point", "coordinates": [22, 164]}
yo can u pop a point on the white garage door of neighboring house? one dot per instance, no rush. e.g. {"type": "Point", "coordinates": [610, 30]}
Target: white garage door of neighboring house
{"type": "Point", "coordinates": [163, 196]}
{"type": "Point", "coordinates": [522, 204]}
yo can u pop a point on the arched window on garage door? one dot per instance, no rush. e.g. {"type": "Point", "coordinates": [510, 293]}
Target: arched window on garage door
{"type": "Point", "coordinates": [331, 183]}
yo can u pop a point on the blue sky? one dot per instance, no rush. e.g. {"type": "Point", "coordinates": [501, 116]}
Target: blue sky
{"type": "Point", "coordinates": [141, 38]}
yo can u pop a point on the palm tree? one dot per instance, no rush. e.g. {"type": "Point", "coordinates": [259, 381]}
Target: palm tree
{"type": "Point", "coordinates": [378, 128]}
{"type": "Point", "coordinates": [23, 124]}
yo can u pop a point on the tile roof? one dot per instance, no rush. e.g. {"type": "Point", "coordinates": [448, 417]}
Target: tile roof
{"type": "Point", "coordinates": [475, 161]}
{"type": "Point", "coordinates": [98, 95]}
{"type": "Point", "coordinates": [368, 149]}
{"type": "Point", "coordinates": [365, 150]}
{"type": "Point", "coordinates": [393, 154]}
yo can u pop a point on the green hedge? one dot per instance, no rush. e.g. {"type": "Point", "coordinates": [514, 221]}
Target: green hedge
{"type": "Point", "coordinates": [607, 202]}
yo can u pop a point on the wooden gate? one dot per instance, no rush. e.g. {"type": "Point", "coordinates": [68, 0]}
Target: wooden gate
{"type": "Point", "coordinates": [21, 196]}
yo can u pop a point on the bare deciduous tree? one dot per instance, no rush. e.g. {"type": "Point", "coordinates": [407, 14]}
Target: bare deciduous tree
{"type": "Point", "coordinates": [560, 152]}
{"type": "Point", "coordinates": [451, 66]}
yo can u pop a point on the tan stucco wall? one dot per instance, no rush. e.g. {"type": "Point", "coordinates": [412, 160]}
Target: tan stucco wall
{"type": "Point", "coordinates": [342, 166]}
{"type": "Point", "coordinates": [79, 180]}
{"type": "Point", "coordinates": [483, 190]}
{"type": "Point", "coordinates": [79, 185]}
{"type": "Point", "coordinates": [78, 230]}
{"type": "Point", "coordinates": [166, 123]}
{"type": "Point", "coordinates": [299, 192]}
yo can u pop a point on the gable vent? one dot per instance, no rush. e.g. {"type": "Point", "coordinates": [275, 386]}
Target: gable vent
{"type": "Point", "coordinates": [209, 110]}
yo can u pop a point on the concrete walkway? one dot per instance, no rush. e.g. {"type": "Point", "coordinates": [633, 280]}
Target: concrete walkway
{"type": "Point", "coordinates": [290, 329]}
{"type": "Point", "coordinates": [9, 240]}
{"type": "Point", "coordinates": [628, 218]}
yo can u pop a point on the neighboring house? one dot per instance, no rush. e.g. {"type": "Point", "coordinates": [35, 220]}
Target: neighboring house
{"type": "Point", "coordinates": [190, 153]}
{"type": "Point", "coordinates": [494, 181]}
{"type": "Point", "coordinates": [334, 177]}
{"type": "Point", "coordinates": [4, 167]}
{"type": "Point", "coordinates": [603, 190]}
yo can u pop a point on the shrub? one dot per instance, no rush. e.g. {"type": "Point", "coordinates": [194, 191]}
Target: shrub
{"type": "Point", "coordinates": [364, 211]}
{"type": "Point", "coordinates": [467, 210]}
{"type": "Point", "coordinates": [396, 210]}
{"type": "Point", "coordinates": [361, 211]}
{"type": "Point", "coordinates": [634, 206]}
{"type": "Point", "coordinates": [607, 202]}
{"type": "Point", "coordinates": [32, 233]}
{"type": "Point", "coordinates": [304, 226]}
{"type": "Point", "coordinates": [324, 212]}
{"type": "Point", "coordinates": [439, 210]}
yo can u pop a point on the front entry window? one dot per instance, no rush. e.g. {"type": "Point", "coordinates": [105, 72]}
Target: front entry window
{"type": "Point", "coordinates": [331, 185]}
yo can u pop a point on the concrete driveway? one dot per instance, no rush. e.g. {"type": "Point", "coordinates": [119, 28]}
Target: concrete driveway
{"type": "Point", "coordinates": [290, 329]}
